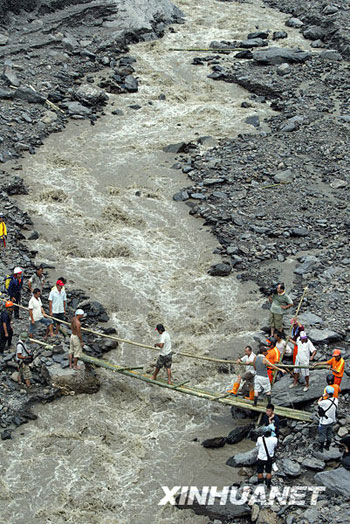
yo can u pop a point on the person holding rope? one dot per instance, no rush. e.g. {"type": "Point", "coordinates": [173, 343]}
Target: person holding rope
{"type": "Point", "coordinates": [15, 289]}
{"type": "Point", "coordinates": [337, 365]}
{"type": "Point", "coordinates": [273, 355]}
{"type": "Point", "coordinates": [38, 316]}
{"type": "Point", "coordinates": [165, 356]}
{"type": "Point", "coordinates": [6, 331]}
{"type": "Point", "coordinates": [262, 382]}
{"type": "Point", "coordinates": [57, 303]}
{"type": "Point", "coordinates": [76, 340]}
{"type": "Point", "coordinates": [246, 374]}
{"type": "Point", "coordinates": [24, 357]}
{"type": "Point", "coordinates": [306, 352]}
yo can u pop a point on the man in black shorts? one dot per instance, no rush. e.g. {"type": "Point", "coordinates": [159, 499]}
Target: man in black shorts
{"type": "Point", "coordinates": [165, 356]}
{"type": "Point", "coordinates": [266, 449]}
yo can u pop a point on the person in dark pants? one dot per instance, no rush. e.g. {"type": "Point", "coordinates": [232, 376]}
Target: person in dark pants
{"type": "Point", "coordinates": [266, 450]}
{"type": "Point", "coordinates": [6, 332]}
{"type": "Point", "coordinates": [15, 289]}
{"type": "Point", "coordinates": [269, 419]}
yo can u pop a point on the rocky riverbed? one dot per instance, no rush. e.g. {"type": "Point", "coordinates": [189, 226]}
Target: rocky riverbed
{"type": "Point", "coordinates": [276, 198]}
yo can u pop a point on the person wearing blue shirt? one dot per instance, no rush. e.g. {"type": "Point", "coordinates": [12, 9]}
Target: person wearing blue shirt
{"type": "Point", "coordinates": [15, 288]}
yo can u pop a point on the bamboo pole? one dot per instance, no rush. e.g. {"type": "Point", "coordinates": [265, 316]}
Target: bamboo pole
{"type": "Point", "coordinates": [212, 396]}
{"type": "Point", "coordinates": [208, 49]}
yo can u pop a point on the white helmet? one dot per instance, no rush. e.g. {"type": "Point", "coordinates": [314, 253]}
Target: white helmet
{"type": "Point", "coordinates": [17, 270]}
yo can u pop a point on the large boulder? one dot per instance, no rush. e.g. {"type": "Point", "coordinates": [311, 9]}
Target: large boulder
{"type": "Point", "coordinates": [220, 270]}
{"type": "Point", "coordinates": [278, 55]}
{"type": "Point", "coordinates": [337, 481]}
{"type": "Point", "coordinates": [239, 433]}
{"type": "Point", "coordinates": [71, 381]}
{"type": "Point", "coordinates": [249, 458]}
{"type": "Point", "coordinates": [91, 95]}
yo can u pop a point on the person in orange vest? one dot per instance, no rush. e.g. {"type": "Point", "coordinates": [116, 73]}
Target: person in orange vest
{"type": "Point", "coordinates": [337, 364]}
{"type": "Point", "coordinates": [330, 382]}
{"type": "Point", "coordinates": [273, 356]}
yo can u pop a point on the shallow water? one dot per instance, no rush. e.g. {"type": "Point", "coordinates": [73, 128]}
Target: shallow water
{"type": "Point", "coordinates": [100, 198]}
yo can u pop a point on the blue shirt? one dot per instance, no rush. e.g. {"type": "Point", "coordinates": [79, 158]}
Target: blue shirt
{"type": "Point", "coordinates": [15, 287]}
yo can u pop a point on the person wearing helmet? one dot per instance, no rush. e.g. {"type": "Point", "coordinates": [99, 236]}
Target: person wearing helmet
{"type": "Point", "coordinates": [57, 303]}
{"type": "Point", "coordinates": [15, 289]}
{"type": "Point", "coordinates": [337, 365]}
{"type": "Point", "coordinates": [330, 382]}
{"type": "Point", "coordinates": [273, 356]}
{"type": "Point", "coordinates": [306, 352]}
{"type": "Point", "coordinates": [3, 229]}
{"type": "Point", "coordinates": [6, 332]}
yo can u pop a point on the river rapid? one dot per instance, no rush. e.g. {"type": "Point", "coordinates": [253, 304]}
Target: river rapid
{"type": "Point", "coordinates": [101, 199]}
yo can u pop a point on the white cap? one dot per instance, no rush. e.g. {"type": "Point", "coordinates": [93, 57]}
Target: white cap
{"type": "Point", "coordinates": [303, 334]}
{"type": "Point", "coordinates": [17, 270]}
{"type": "Point", "coordinates": [79, 312]}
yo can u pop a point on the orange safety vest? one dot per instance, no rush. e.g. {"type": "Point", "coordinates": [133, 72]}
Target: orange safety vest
{"type": "Point", "coordinates": [273, 355]}
{"type": "Point", "coordinates": [337, 366]}
{"type": "Point", "coordinates": [337, 390]}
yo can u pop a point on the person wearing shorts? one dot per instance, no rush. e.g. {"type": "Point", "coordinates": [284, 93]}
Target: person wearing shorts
{"type": "Point", "coordinates": [261, 381]}
{"type": "Point", "coordinates": [76, 340]}
{"type": "Point", "coordinates": [37, 315]}
{"type": "Point", "coordinates": [165, 357]}
{"type": "Point", "coordinates": [266, 450]}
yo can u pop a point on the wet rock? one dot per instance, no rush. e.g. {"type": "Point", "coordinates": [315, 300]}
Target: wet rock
{"type": "Point", "coordinates": [291, 468]}
{"type": "Point", "coordinates": [91, 95]}
{"type": "Point", "coordinates": [217, 442]}
{"type": "Point", "coordinates": [12, 184]}
{"type": "Point", "coordinates": [300, 232]}
{"type": "Point", "coordinates": [108, 345]}
{"type": "Point", "coordinates": [253, 120]}
{"type": "Point", "coordinates": [310, 319]}
{"type": "Point", "coordinates": [294, 22]}
{"type": "Point", "coordinates": [314, 33]}
{"type": "Point", "coordinates": [258, 34]}
{"type": "Point", "coordinates": [131, 84]}
{"type": "Point", "coordinates": [279, 35]}
{"type": "Point", "coordinates": [314, 464]}
{"type": "Point", "coordinates": [249, 458]}
{"type": "Point", "coordinates": [278, 55]}
{"type": "Point", "coordinates": [244, 54]}
{"type": "Point", "coordinates": [180, 147]}
{"type": "Point", "coordinates": [6, 94]}
{"type": "Point", "coordinates": [239, 433]}
{"type": "Point", "coordinates": [220, 270]}
{"type": "Point", "coordinates": [78, 382]}
{"type": "Point", "coordinates": [76, 108]}
{"type": "Point", "coordinates": [181, 196]}
{"type": "Point", "coordinates": [254, 42]}
{"type": "Point", "coordinates": [6, 435]}
{"type": "Point", "coordinates": [336, 481]}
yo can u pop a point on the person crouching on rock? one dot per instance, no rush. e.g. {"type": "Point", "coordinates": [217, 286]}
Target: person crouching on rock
{"type": "Point", "coordinates": [246, 374]}
{"type": "Point", "coordinates": [306, 352]}
{"type": "Point", "coordinates": [165, 358]}
{"type": "Point", "coordinates": [262, 382]}
{"type": "Point", "coordinates": [327, 410]}
{"type": "Point", "coordinates": [266, 450]}
{"type": "Point", "coordinates": [24, 357]}
{"type": "Point", "coordinates": [76, 340]}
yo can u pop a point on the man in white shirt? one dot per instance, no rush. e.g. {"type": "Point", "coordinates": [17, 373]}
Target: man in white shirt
{"type": "Point", "coordinates": [306, 352]}
{"type": "Point", "coordinates": [266, 450]}
{"type": "Point", "coordinates": [37, 315]}
{"type": "Point", "coordinates": [247, 374]}
{"type": "Point", "coordinates": [165, 355]}
{"type": "Point", "coordinates": [327, 410]}
{"type": "Point", "coordinates": [57, 303]}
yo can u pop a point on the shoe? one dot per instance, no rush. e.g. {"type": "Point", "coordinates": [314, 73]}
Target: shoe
{"type": "Point", "coordinates": [235, 389]}
{"type": "Point", "coordinates": [293, 386]}
{"type": "Point", "coordinates": [306, 388]}
{"type": "Point", "coordinates": [251, 396]}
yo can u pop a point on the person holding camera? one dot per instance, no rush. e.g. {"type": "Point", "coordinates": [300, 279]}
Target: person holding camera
{"type": "Point", "coordinates": [280, 302]}
{"type": "Point", "coordinates": [24, 357]}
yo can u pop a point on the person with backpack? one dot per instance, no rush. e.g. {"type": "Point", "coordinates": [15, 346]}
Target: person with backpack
{"type": "Point", "coordinates": [327, 410]}
{"type": "Point", "coordinates": [6, 331]}
{"type": "Point", "coordinates": [3, 229]}
{"type": "Point", "coordinates": [24, 357]}
{"type": "Point", "coordinates": [266, 445]}
{"type": "Point", "coordinates": [15, 289]}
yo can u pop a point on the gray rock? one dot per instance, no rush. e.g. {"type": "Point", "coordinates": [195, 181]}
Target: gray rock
{"type": "Point", "coordinates": [239, 433]}
{"type": "Point", "coordinates": [309, 262]}
{"type": "Point", "coordinates": [344, 118]}
{"type": "Point", "coordinates": [81, 381]}
{"type": "Point", "coordinates": [10, 77]}
{"type": "Point", "coordinates": [278, 55]}
{"type": "Point", "coordinates": [6, 94]}
{"type": "Point", "coordinates": [331, 54]}
{"type": "Point", "coordinates": [224, 513]}
{"type": "Point", "coordinates": [312, 516]}
{"type": "Point", "coordinates": [294, 22]}
{"type": "Point", "coordinates": [181, 196]}
{"type": "Point", "coordinates": [253, 120]}
{"type": "Point", "coordinates": [310, 319]}
{"type": "Point", "coordinates": [91, 95]}
{"type": "Point", "coordinates": [198, 196]}
{"type": "Point", "coordinates": [284, 176]}
{"type": "Point", "coordinates": [314, 464]}
{"type": "Point", "coordinates": [180, 147]}
{"type": "Point", "coordinates": [291, 468]}
{"type": "Point", "coordinates": [330, 10]}
{"type": "Point", "coordinates": [70, 43]}
{"type": "Point", "coordinates": [314, 33]}
{"type": "Point", "coordinates": [249, 458]}
{"type": "Point", "coordinates": [254, 42]}
{"type": "Point", "coordinates": [283, 69]}
{"type": "Point", "coordinates": [336, 481]}
{"type": "Point", "coordinates": [49, 117]}
{"type": "Point", "coordinates": [279, 35]}
{"type": "Point", "coordinates": [76, 108]}
{"type": "Point", "coordinates": [319, 336]}
{"type": "Point", "coordinates": [258, 34]}
{"type": "Point", "coordinates": [29, 95]}
{"type": "Point", "coordinates": [216, 442]}
{"type": "Point", "coordinates": [131, 84]}
{"type": "Point", "coordinates": [3, 39]}
{"type": "Point", "coordinates": [300, 232]}
{"type": "Point", "coordinates": [328, 455]}
{"type": "Point", "coordinates": [220, 270]}
{"type": "Point", "coordinates": [213, 181]}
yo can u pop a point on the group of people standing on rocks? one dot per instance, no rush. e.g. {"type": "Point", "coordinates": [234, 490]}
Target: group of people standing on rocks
{"type": "Point", "coordinates": [57, 300]}
{"type": "Point", "coordinates": [256, 373]}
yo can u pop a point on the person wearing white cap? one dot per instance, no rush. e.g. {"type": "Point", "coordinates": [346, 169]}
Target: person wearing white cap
{"type": "Point", "coordinates": [306, 352]}
{"type": "Point", "coordinates": [76, 340]}
{"type": "Point", "coordinates": [15, 288]}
